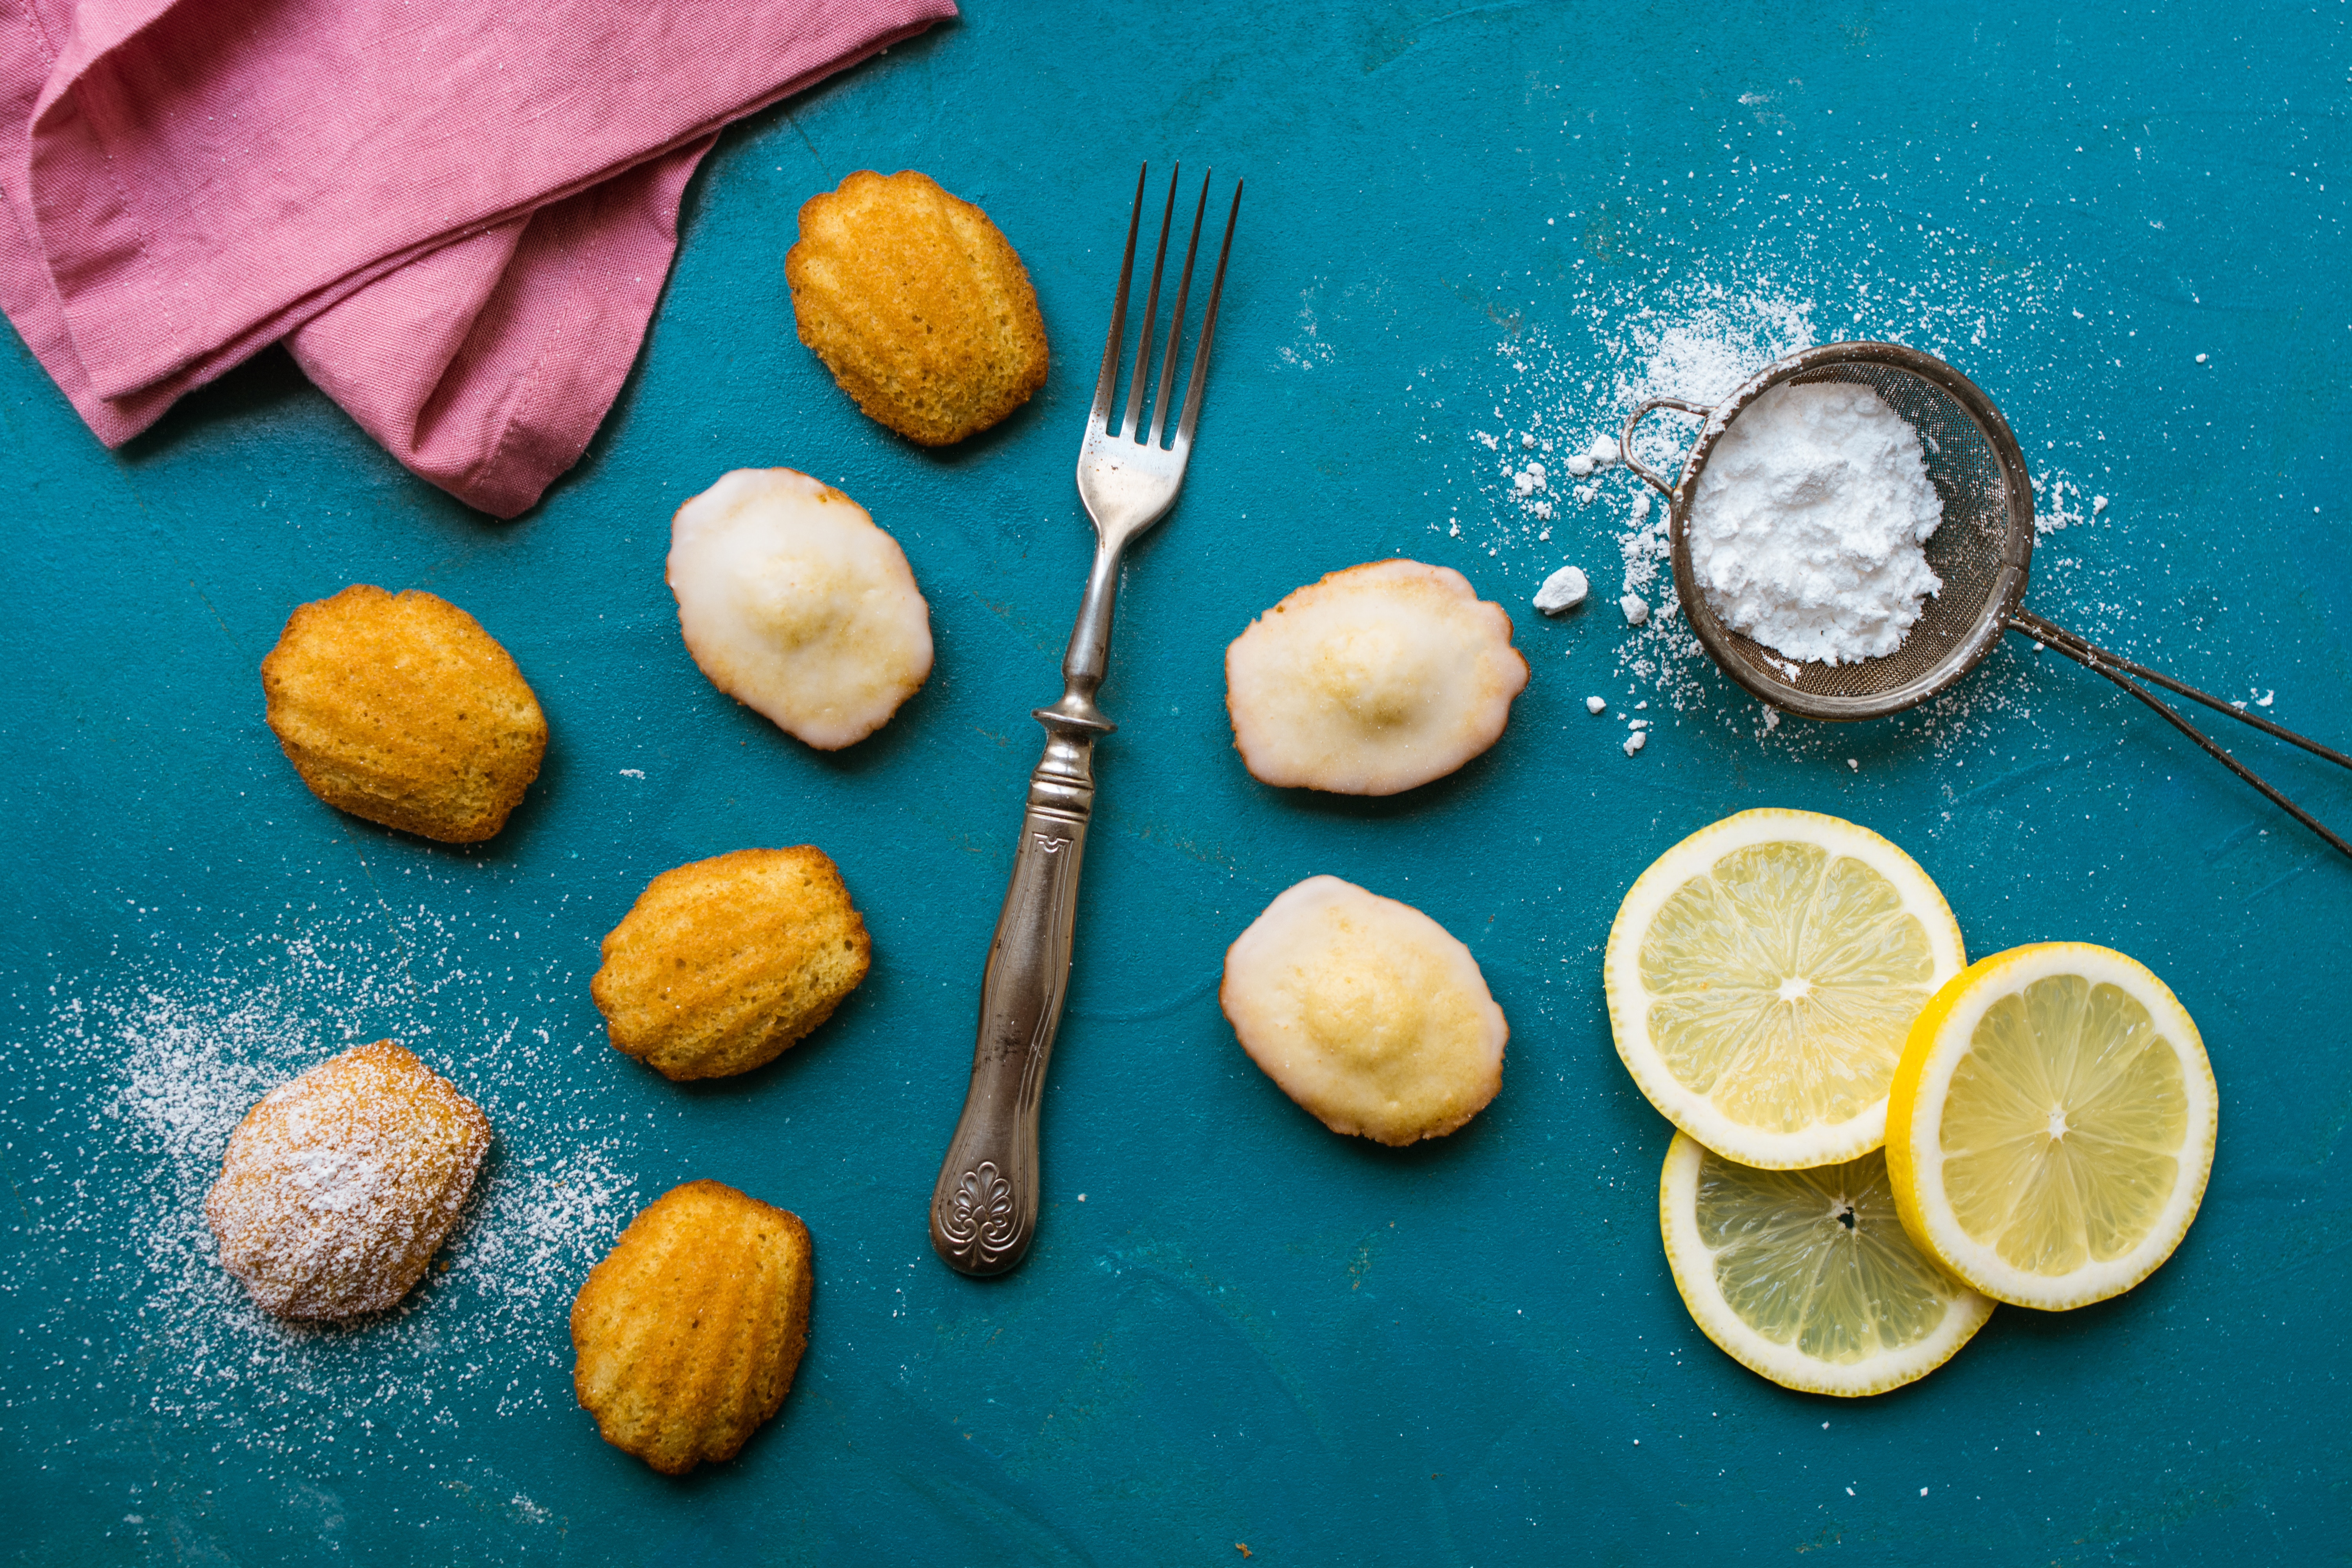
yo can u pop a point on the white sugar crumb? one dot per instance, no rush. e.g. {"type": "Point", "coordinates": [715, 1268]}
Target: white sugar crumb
{"type": "Point", "coordinates": [1602, 452]}
{"type": "Point", "coordinates": [1636, 740]}
{"type": "Point", "coordinates": [1636, 607]}
{"type": "Point", "coordinates": [1563, 590]}
{"type": "Point", "coordinates": [2264, 700]}
{"type": "Point", "coordinates": [1808, 522]}
{"type": "Point", "coordinates": [1581, 466]}
{"type": "Point", "coordinates": [1854, 763]}
{"type": "Point", "coordinates": [1596, 705]}
{"type": "Point", "coordinates": [2098, 505]}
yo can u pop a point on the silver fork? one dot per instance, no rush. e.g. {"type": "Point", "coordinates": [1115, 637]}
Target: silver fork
{"type": "Point", "coordinates": [984, 1207]}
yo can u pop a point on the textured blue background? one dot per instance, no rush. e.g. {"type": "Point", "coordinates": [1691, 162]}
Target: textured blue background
{"type": "Point", "coordinates": [1249, 1330]}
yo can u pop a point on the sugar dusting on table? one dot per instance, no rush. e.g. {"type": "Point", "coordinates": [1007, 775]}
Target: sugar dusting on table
{"type": "Point", "coordinates": [146, 1073]}
{"type": "Point", "coordinates": [1563, 381]}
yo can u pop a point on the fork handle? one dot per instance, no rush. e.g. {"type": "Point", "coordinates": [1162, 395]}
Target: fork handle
{"type": "Point", "coordinates": [984, 1206]}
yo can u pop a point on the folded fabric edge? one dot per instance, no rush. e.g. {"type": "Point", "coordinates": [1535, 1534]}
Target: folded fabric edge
{"type": "Point", "coordinates": [522, 461]}
{"type": "Point", "coordinates": [612, 246]}
{"type": "Point", "coordinates": [555, 343]}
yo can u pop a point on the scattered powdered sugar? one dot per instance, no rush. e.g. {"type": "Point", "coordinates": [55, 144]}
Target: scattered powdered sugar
{"type": "Point", "coordinates": [1808, 522]}
{"type": "Point", "coordinates": [1588, 347]}
{"type": "Point", "coordinates": [2058, 503]}
{"type": "Point", "coordinates": [145, 1075]}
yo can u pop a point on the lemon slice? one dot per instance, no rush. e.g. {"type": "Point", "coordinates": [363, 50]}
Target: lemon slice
{"type": "Point", "coordinates": [1807, 1277]}
{"type": "Point", "coordinates": [1762, 975]}
{"type": "Point", "coordinates": [2052, 1125]}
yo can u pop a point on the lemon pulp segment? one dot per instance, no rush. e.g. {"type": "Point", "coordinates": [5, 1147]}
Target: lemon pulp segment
{"type": "Point", "coordinates": [1807, 1277]}
{"type": "Point", "coordinates": [2063, 1126]}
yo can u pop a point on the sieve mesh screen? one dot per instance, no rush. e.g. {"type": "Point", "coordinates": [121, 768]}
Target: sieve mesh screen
{"type": "Point", "coordinates": [1976, 550]}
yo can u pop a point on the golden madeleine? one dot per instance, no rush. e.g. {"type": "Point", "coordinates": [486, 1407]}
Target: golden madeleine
{"type": "Point", "coordinates": [339, 1184]}
{"type": "Point", "coordinates": [686, 1334]}
{"type": "Point", "coordinates": [401, 709]}
{"type": "Point", "coordinates": [917, 304]}
{"type": "Point", "coordinates": [1369, 1014]}
{"type": "Point", "coordinates": [721, 965]}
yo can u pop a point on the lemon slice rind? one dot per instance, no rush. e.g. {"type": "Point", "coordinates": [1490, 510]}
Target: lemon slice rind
{"type": "Point", "coordinates": [1629, 999]}
{"type": "Point", "coordinates": [1693, 1265]}
{"type": "Point", "coordinates": [1941, 1039]}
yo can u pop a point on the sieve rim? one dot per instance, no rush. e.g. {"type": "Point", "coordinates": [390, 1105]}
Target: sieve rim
{"type": "Point", "coordinates": [2016, 545]}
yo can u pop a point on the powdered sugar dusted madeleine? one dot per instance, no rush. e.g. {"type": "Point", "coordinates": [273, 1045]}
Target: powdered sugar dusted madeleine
{"type": "Point", "coordinates": [1366, 1012]}
{"type": "Point", "coordinates": [341, 1183]}
{"type": "Point", "coordinates": [689, 1330]}
{"type": "Point", "coordinates": [795, 603]}
{"type": "Point", "coordinates": [1373, 680]}
{"type": "Point", "coordinates": [723, 963]}
{"type": "Point", "coordinates": [401, 709]}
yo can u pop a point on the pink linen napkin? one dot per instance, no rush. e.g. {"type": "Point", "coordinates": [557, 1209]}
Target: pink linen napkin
{"type": "Point", "coordinates": [459, 215]}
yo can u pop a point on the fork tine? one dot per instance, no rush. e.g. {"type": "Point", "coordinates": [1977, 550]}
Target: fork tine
{"type": "Point", "coordinates": [1106, 386]}
{"type": "Point", "coordinates": [1198, 382]}
{"type": "Point", "coordinates": [1176, 321]}
{"type": "Point", "coordinates": [1150, 313]}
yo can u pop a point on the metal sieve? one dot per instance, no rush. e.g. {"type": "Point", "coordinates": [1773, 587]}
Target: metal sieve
{"type": "Point", "coordinates": [1981, 550]}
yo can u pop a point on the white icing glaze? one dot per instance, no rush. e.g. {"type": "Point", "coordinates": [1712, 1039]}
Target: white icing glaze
{"type": "Point", "coordinates": [1373, 680]}
{"type": "Point", "coordinates": [795, 603]}
{"type": "Point", "coordinates": [1366, 1012]}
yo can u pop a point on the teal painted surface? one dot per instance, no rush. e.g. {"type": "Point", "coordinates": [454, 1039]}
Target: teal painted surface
{"type": "Point", "coordinates": [1246, 1329]}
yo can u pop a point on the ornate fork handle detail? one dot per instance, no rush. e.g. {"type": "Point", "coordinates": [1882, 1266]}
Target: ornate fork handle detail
{"type": "Point", "coordinates": [978, 1221]}
{"type": "Point", "coordinates": [984, 1207]}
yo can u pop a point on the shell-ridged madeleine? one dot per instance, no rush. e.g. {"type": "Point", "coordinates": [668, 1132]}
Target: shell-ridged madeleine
{"type": "Point", "coordinates": [689, 1330]}
{"type": "Point", "coordinates": [340, 1184]}
{"type": "Point", "coordinates": [918, 304]}
{"type": "Point", "coordinates": [401, 709]}
{"type": "Point", "coordinates": [723, 963]}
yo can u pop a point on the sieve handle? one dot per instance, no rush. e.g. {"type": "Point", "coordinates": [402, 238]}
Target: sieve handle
{"type": "Point", "coordinates": [2099, 662]}
{"type": "Point", "coordinates": [1641, 411]}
